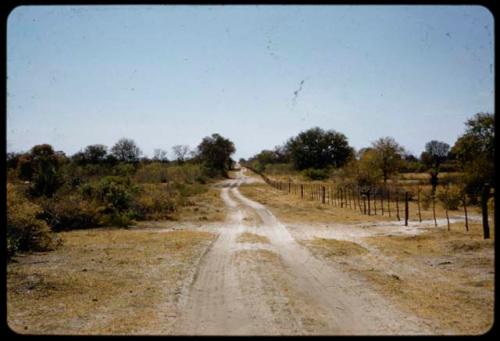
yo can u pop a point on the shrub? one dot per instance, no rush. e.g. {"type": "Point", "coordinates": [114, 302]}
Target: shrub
{"type": "Point", "coordinates": [315, 174]}
{"type": "Point", "coordinates": [25, 232]}
{"type": "Point", "coordinates": [115, 196]}
{"type": "Point", "coordinates": [70, 212]}
{"type": "Point", "coordinates": [155, 172]}
{"type": "Point", "coordinates": [450, 197]}
{"type": "Point", "coordinates": [426, 198]}
{"type": "Point", "coordinates": [154, 202]}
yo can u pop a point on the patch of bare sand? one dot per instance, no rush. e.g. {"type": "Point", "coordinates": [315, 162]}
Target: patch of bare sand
{"type": "Point", "coordinates": [286, 311]}
{"type": "Point", "coordinates": [103, 281]}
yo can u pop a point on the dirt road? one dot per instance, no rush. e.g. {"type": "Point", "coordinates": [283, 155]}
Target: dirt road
{"type": "Point", "coordinates": [272, 285]}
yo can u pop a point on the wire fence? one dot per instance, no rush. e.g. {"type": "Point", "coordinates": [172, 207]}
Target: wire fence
{"type": "Point", "coordinates": [385, 201]}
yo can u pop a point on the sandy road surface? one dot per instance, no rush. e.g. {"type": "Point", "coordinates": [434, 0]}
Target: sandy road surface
{"type": "Point", "coordinates": [278, 287]}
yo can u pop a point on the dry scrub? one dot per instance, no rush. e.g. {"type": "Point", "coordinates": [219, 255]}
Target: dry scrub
{"type": "Point", "coordinates": [203, 207]}
{"type": "Point", "coordinates": [103, 281]}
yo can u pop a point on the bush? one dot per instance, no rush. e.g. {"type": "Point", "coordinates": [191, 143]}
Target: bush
{"type": "Point", "coordinates": [115, 196]}
{"type": "Point", "coordinates": [450, 197]}
{"type": "Point", "coordinates": [154, 202]}
{"type": "Point", "coordinates": [426, 198]}
{"type": "Point", "coordinates": [70, 212]}
{"type": "Point", "coordinates": [25, 232]}
{"type": "Point", "coordinates": [315, 174]}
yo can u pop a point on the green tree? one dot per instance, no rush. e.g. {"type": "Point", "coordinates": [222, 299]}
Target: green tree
{"type": "Point", "coordinates": [435, 154]}
{"type": "Point", "coordinates": [45, 164]}
{"type": "Point", "coordinates": [126, 150]}
{"type": "Point", "coordinates": [388, 156]}
{"type": "Point", "coordinates": [316, 148]}
{"type": "Point", "coordinates": [475, 152]}
{"type": "Point", "coordinates": [215, 152]}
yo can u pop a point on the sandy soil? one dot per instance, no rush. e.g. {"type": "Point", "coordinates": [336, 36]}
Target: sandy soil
{"type": "Point", "coordinates": [279, 287]}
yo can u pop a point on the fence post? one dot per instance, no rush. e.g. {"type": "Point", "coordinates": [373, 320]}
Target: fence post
{"type": "Point", "coordinates": [434, 209]}
{"type": "Point", "coordinates": [397, 206]}
{"type": "Point", "coordinates": [301, 191]}
{"type": "Point", "coordinates": [406, 209]}
{"type": "Point", "coordinates": [382, 201]}
{"type": "Point", "coordinates": [368, 198]}
{"type": "Point", "coordinates": [484, 209]}
{"type": "Point", "coordinates": [349, 196]}
{"type": "Point", "coordinates": [341, 199]}
{"type": "Point", "coordinates": [418, 205]}
{"type": "Point", "coordinates": [375, 202]}
{"type": "Point", "coordinates": [464, 201]}
{"type": "Point", "coordinates": [364, 204]}
{"type": "Point", "coordinates": [389, 202]}
{"type": "Point", "coordinates": [289, 186]}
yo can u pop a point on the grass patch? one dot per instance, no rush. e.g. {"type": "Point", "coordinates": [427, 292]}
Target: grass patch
{"type": "Point", "coordinates": [103, 281]}
{"type": "Point", "coordinates": [252, 238]}
{"type": "Point", "coordinates": [334, 247]}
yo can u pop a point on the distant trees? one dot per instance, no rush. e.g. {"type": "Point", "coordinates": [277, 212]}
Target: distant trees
{"type": "Point", "coordinates": [160, 155]}
{"type": "Point", "coordinates": [93, 154]}
{"type": "Point", "coordinates": [126, 150]}
{"type": "Point", "coordinates": [317, 148]}
{"type": "Point", "coordinates": [475, 153]}
{"type": "Point", "coordinates": [387, 156]}
{"type": "Point", "coordinates": [181, 151]}
{"type": "Point", "coordinates": [215, 152]}
{"type": "Point", "coordinates": [435, 154]}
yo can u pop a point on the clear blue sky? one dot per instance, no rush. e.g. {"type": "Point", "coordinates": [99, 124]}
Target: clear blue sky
{"type": "Point", "coordinates": [167, 75]}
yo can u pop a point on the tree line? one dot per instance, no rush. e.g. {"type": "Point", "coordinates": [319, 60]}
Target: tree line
{"type": "Point", "coordinates": [48, 191]}
{"type": "Point", "coordinates": [319, 153]}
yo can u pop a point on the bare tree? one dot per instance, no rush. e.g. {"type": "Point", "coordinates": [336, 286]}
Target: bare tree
{"type": "Point", "coordinates": [180, 152]}
{"type": "Point", "coordinates": [160, 155]}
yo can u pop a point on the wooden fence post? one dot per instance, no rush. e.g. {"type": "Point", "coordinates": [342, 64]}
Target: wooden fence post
{"type": "Point", "coordinates": [464, 201]}
{"type": "Point", "coordinates": [484, 209]}
{"type": "Point", "coordinates": [397, 207]}
{"type": "Point", "coordinates": [341, 199]}
{"type": "Point", "coordinates": [375, 202]}
{"type": "Point", "coordinates": [301, 191]}
{"type": "Point", "coordinates": [406, 209]}
{"type": "Point", "coordinates": [368, 198]}
{"type": "Point", "coordinates": [418, 205]}
{"type": "Point", "coordinates": [323, 195]}
{"type": "Point", "coordinates": [382, 201]}
{"type": "Point", "coordinates": [434, 209]}
{"type": "Point", "coordinates": [389, 202]}
{"type": "Point", "coordinates": [364, 204]}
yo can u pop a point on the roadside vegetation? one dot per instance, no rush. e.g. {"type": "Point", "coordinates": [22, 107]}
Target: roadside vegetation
{"type": "Point", "coordinates": [49, 192]}
{"type": "Point", "coordinates": [442, 174]}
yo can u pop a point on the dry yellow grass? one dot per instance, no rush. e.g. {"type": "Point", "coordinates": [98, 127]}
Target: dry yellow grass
{"type": "Point", "coordinates": [102, 282]}
{"type": "Point", "coordinates": [207, 206]}
{"type": "Point", "coordinates": [334, 248]}
{"type": "Point", "coordinates": [446, 277]}
{"type": "Point", "coordinates": [252, 238]}
{"type": "Point", "coordinates": [291, 209]}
